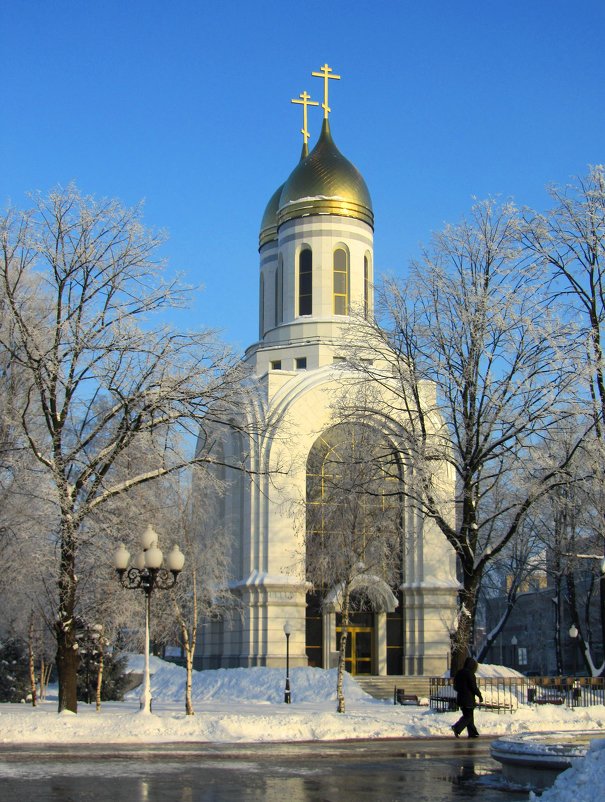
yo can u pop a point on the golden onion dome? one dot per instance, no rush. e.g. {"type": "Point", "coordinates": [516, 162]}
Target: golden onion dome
{"type": "Point", "coordinates": [325, 183]}
{"type": "Point", "coordinates": [268, 226]}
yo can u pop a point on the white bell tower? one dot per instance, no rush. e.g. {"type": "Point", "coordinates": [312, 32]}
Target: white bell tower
{"type": "Point", "coordinates": [316, 278]}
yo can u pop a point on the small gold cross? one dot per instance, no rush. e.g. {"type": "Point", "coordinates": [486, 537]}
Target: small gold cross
{"type": "Point", "coordinates": [325, 74]}
{"type": "Point", "coordinates": [305, 102]}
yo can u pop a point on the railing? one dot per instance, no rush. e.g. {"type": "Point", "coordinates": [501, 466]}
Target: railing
{"type": "Point", "coordinates": [505, 694]}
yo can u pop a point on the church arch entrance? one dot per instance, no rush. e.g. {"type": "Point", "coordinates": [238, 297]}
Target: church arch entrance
{"type": "Point", "coordinates": [354, 550]}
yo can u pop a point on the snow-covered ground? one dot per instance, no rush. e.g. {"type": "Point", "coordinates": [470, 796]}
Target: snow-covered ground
{"type": "Point", "coordinates": [245, 705]}
{"type": "Point", "coordinates": [583, 782]}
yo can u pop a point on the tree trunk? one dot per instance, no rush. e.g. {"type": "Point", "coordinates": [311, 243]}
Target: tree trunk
{"type": "Point", "coordinates": [100, 674]}
{"type": "Point", "coordinates": [67, 672]}
{"type": "Point", "coordinates": [493, 635]}
{"type": "Point", "coordinates": [580, 640]}
{"type": "Point", "coordinates": [45, 670]}
{"type": "Point", "coordinates": [189, 647]}
{"type": "Point", "coordinates": [557, 603]}
{"type": "Point", "coordinates": [68, 658]}
{"type": "Point", "coordinates": [344, 633]}
{"type": "Point", "coordinates": [189, 664]}
{"type": "Point", "coordinates": [188, 639]}
{"type": "Point", "coordinates": [30, 647]}
{"type": "Point", "coordinates": [462, 646]}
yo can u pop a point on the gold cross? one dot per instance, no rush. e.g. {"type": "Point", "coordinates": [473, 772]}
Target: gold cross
{"type": "Point", "coordinates": [325, 74]}
{"type": "Point", "coordinates": [305, 102]}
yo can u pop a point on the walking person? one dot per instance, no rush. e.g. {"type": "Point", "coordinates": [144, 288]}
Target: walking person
{"type": "Point", "coordinates": [465, 685]}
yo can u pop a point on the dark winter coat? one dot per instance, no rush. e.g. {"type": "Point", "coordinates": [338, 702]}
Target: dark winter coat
{"type": "Point", "coordinates": [465, 684]}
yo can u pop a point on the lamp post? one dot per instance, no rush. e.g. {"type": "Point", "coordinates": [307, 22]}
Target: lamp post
{"type": "Point", "coordinates": [147, 574]}
{"type": "Point", "coordinates": [601, 560]}
{"type": "Point", "coordinates": [513, 643]}
{"type": "Point", "coordinates": [573, 634]}
{"type": "Point", "coordinates": [287, 633]}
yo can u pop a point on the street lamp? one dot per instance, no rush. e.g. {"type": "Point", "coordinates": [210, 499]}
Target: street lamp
{"type": "Point", "coordinates": [147, 574]}
{"type": "Point", "coordinates": [287, 633]}
{"type": "Point", "coordinates": [601, 561]}
{"type": "Point", "coordinates": [573, 634]}
{"type": "Point", "coordinates": [513, 643]}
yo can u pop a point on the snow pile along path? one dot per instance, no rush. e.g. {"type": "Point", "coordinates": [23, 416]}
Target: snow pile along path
{"type": "Point", "coordinates": [247, 705]}
{"type": "Point", "coordinates": [246, 684]}
{"type": "Point", "coordinates": [583, 782]}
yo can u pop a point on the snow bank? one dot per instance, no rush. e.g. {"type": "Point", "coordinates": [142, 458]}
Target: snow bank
{"type": "Point", "coordinates": [583, 782]}
{"type": "Point", "coordinates": [247, 705]}
{"type": "Point", "coordinates": [247, 684]}
{"type": "Point", "coordinates": [489, 670]}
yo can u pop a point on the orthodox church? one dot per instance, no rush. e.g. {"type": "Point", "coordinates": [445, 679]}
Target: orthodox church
{"type": "Point", "coordinates": [316, 268]}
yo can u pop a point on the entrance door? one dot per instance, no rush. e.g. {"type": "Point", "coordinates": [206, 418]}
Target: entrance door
{"type": "Point", "coordinates": [358, 654]}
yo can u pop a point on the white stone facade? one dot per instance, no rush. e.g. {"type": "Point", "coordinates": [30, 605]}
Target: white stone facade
{"type": "Point", "coordinates": [298, 371]}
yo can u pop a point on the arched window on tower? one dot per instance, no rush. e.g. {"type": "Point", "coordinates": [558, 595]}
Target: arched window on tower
{"type": "Point", "coordinates": [341, 282]}
{"type": "Point", "coordinates": [279, 292]}
{"type": "Point", "coordinates": [305, 282]}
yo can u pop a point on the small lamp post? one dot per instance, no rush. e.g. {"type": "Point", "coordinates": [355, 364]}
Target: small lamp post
{"type": "Point", "coordinates": [573, 634]}
{"type": "Point", "coordinates": [147, 574]}
{"type": "Point", "coordinates": [513, 643]}
{"type": "Point", "coordinates": [287, 633]}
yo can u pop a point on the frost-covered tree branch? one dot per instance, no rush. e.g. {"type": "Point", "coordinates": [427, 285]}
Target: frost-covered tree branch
{"type": "Point", "coordinates": [482, 369]}
{"type": "Point", "coordinates": [569, 241]}
{"type": "Point", "coordinates": [83, 289]}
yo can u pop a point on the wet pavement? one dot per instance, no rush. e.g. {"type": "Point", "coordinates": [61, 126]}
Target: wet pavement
{"type": "Point", "coordinates": [415, 770]}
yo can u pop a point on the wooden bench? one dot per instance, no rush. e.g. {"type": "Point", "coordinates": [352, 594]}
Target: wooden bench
{"type": "Point", "coordinates": [494, 706]}
{"type": "Point", "coordinates": [553, 697]}
{"type": "Point", "coordinates": [402, 698]}
{"type": "Point", "coordinates": [547, 700]}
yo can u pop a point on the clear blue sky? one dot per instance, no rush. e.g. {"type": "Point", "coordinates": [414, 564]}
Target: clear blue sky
{"type": "Point", "coordinates": [186, 105]}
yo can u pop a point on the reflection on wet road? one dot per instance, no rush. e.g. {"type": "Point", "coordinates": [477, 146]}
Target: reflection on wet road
{"type": "Point", "coordinates": [414, 770]}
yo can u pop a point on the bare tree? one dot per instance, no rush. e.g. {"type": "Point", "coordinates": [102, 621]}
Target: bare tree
{"type": "Point", "coordinates": [568, 521]}
{"type": "Point", "coordinates": [570, 241]}
{"type": "Point", "coordinates": [26, 610]}
{"type": "Point", "coordinates": [203, 587]}
{"type": "Point", "coordinates": [482, 373]}
{"type": "Point", "coordinates": [181, 506]}
{"type": "Point", "coordinates": [509, 575]}
{"type": "Point", "coordinates": [22, 488]}
{"type": "Point", "coordinates": [100, 375]}
{"type": "Point", "coordinates": [354, 534]}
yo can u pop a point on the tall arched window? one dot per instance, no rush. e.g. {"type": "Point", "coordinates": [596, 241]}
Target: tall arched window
{"type": "Point", "coordinates": [305, 282]}
{"type": "Point", "coordinates": [341, 282]}
{"type": "Point", "coordinates": [279, 292]}
{"type": "Point", "coordinates": [354, 484]}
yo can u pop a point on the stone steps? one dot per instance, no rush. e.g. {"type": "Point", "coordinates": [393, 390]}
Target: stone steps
{"type": "Point", "coordinates": [384, 687]}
